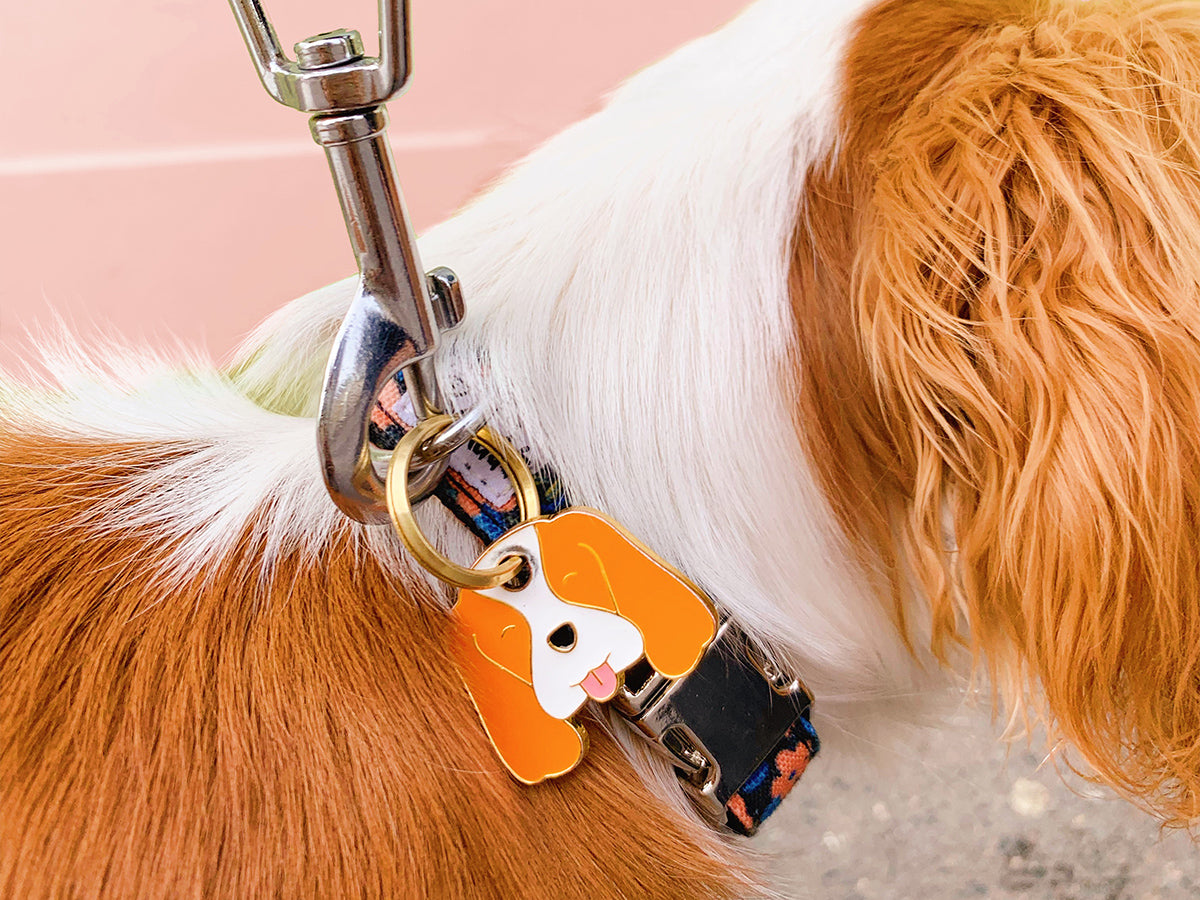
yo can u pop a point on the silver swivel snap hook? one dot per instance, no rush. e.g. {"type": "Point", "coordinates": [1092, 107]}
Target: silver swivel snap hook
{"type": "Point", "coordinates": [398, 311]}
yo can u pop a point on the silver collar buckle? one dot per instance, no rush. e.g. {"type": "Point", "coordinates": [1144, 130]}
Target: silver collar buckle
{"type": "Point", "coordinates": [718, 724]}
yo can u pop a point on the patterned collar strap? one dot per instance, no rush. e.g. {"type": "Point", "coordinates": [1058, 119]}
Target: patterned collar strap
{"type": "Point", "coordinates": [757, 733]}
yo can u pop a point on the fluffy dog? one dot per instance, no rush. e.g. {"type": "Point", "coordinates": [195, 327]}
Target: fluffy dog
{"type": "Point", "coordinates": [878, 320]}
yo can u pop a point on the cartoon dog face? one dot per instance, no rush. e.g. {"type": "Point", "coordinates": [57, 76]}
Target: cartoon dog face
{"type": "Point", "coordinates": [594, 604]}
{"type": "Point", "coordinates": [576, 651]}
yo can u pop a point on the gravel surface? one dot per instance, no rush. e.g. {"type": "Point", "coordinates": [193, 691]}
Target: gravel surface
{"type": "Point", "coordinates": [971, 817]}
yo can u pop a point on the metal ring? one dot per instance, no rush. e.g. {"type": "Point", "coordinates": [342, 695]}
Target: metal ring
{"type": "Point", "coordinates": [422, 388]}
{"type": "Point", "coordinates": [414, 539]}
{"type": "Point", "coordinates": [452, 436]}
{"type": "Point", "coordinates": [423, 478]}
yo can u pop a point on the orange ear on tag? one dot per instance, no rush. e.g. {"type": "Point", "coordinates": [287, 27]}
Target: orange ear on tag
{"type": "Point", "coordinates": [492, 651]}
{"type": "Point", "coordinates": [594, 603]}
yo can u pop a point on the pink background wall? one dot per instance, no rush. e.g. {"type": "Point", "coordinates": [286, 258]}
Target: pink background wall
{"type": "Point", "coordinates": [149, 186]}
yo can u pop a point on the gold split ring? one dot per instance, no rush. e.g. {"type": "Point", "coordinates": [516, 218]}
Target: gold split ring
{"type": "Point", "coordinates": [400, 507]}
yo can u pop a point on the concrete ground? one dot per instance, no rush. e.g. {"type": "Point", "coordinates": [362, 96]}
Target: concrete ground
{"type": "Point", "coordinates": [971, 817]}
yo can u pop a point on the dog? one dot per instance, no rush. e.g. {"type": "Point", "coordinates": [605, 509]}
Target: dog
{"type": "Point", "coordinates": [877, 320]}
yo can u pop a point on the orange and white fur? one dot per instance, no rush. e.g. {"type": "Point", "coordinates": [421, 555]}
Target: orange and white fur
{"type": "Point", "coordinates": [879, 320]}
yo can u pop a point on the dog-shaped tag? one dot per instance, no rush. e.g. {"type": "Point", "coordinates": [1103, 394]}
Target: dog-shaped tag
{"type": "Point", "coordinates": [592, 602]}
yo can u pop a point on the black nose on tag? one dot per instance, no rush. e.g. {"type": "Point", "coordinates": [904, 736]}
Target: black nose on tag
{"type": "Point", "coordinates": [562, 638]}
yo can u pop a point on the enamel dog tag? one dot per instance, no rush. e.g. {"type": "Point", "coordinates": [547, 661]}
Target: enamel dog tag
{"type": "Point", "coordinates": [588, 603]}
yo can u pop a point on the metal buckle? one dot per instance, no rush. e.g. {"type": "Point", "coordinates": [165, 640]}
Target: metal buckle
{"type": "Point", "coordinates": [719, 723]}
{"type": "Point", "coordinates": [397, 312]}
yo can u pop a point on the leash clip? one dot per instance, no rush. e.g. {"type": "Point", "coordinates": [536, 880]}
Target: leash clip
{"type": "Point", "coordinates": [397, 312]}
{"type": "Point", "coordinates": [718, 724]}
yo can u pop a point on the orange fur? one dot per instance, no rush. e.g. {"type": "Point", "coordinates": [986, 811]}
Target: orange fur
{"type": "Point", "coordinates": [297, 732]}
{"type": "Point", "coordinates": [1016, 337]}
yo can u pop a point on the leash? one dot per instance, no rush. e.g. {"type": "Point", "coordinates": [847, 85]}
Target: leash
{"type": "Point", "coordinates": [398, 311]}
{"type": "Point", "coordinates": [564, 605]}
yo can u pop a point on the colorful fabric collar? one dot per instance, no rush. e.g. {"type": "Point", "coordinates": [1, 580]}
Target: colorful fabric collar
{"type": "Point", "coordinates": [749, 711]}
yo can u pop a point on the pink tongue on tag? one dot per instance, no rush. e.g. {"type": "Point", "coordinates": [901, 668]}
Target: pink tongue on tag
{"type": "Point", "coordinates": [601, 682]}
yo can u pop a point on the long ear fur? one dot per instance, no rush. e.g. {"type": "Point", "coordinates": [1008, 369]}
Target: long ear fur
{"type": "Point", "coordinates": [1028, 292]}
{"type": "Point", "coordinates": [590, 562]}
{"type": "Point", "coordinates": [492, 650]}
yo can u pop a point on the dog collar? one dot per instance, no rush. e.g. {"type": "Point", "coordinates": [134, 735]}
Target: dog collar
{"type": "Point", "coordinates": [736, 730]}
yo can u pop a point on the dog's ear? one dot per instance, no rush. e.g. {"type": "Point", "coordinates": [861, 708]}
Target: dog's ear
{"type": "Point", "coordinates": [589, 561]}
{"type": "Point", "coordinates": [494, 655]}
{"type": "Point", "coordinates": [1028, 297]}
